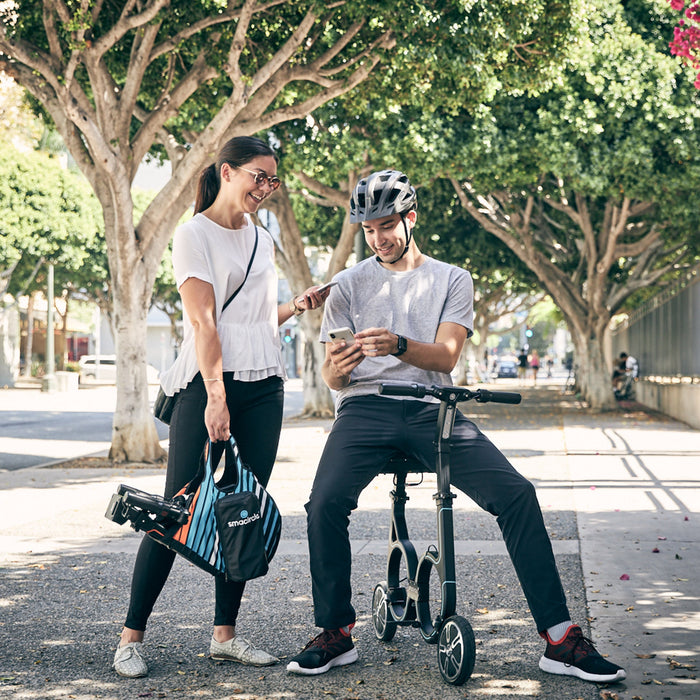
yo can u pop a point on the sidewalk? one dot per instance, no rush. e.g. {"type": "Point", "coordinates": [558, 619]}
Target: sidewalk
{"type": "Point", "coordinates": [621, 502]}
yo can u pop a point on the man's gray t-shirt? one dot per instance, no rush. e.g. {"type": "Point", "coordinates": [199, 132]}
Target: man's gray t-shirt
{"type": "Point", "coordinates": [412, 304]}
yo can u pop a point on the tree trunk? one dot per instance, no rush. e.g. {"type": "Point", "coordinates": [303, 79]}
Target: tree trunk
{"type": "Point", "coordinates": [291, 258]}
{"type": "Point", "coordinates": [461, 374]}
{"type": "Point", "coordinates": [318, 402]}
{"type": "Point", "coordinates": [29, 347]}
{"type": "Point", "coordinates": [592, 371]}
{"type": "Point", "coordinates": [9, 344]}
{"type": "Point", "coordinates": [134, 435]}
{"type": "Point", "coordinates": [593, 374]}
{"type": "Point", "coordinates": [132, 267]}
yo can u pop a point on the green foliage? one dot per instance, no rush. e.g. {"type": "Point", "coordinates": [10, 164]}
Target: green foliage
{"type": "Point", "coordinates": [621, 122]}
{"type": "Point", "coordinates": [48, 213]}
{"type": "Point", "coordinates": [446, 50]}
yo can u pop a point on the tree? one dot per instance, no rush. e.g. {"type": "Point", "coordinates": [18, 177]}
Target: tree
{"type": "Point", "coordinates": [49, 216]}
{"type": "Point", "coordinates": [463, 56]}
{"type": "Point", "coordinates": [592, 183]}
{"type": "Point", "coordinates": [325, 154]}
{"type": "Point", "coordinates": [120, 79]}
{"type": "Point", "coordinates": [178, 77]}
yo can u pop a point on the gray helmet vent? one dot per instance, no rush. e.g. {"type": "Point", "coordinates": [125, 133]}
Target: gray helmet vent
{"type": "Point", "coordinates": [381, 194]}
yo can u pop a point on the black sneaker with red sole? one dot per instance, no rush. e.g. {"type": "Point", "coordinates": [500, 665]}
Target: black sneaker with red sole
{"type": "Point", "coordinates": [576, 656]}
{"type": "Point", "coordinates": [330, 648]}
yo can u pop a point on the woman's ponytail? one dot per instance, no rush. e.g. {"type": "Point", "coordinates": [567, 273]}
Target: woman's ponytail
{"type": "Point", "coordinates": [207, 188]}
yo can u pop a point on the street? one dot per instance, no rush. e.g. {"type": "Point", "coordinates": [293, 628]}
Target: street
{"type": "Point", "coordinates": [40, 428]}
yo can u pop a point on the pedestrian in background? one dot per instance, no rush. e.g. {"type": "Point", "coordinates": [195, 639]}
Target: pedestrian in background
{"type": "Point", "coordinates": [522, 364]}
{"type": "Point", "coordinates": [534, 365]}
{"type": "Point", "coordinates": [228, 377]}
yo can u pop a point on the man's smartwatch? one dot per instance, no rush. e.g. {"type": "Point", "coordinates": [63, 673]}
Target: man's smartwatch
{"type": "Point", "coordinates": [401, 344]}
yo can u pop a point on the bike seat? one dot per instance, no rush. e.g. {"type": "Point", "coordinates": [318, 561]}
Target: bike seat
{"type": "Point", "coordinates": [401, 463]}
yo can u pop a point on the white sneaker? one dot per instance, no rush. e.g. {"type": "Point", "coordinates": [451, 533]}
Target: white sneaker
{"type": "Point", "coordinates": [241, 650]}
{"type": "Point", "coordinates": [129, 661]}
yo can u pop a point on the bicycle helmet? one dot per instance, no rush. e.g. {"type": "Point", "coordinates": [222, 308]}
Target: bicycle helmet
{"type": "Point", "coordinates": [381, 194]}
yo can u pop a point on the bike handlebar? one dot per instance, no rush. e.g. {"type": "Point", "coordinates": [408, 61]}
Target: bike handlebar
{"type": "Point", "coordinates": [498, 396]}
{"type": "Point", "coordinates": [416, 390]}
{"type": "Point", "coordinates": [156, 505]}
{"type": "Point", "coordinates": [452, 394]}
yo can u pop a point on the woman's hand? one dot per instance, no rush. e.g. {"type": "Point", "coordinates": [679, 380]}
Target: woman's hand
{"type": "Point", "coordinates": [312, 298]}
{"type": "Point", "coordinates": [216, 415]}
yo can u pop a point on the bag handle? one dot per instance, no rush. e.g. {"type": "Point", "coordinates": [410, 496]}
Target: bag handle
{"type": "Point", "coordinates": [250, 264]}
{"type": "Point", "coordinates": [230, 481]}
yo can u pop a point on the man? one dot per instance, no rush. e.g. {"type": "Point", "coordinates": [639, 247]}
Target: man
{"type": "Point", "coordinates": [624, 376]}
{"type": "Point", "coordinates": [631, 365]}
{"type": "Point", "coordinates": [411, 315]}
{"type": "Point", "coordinates": [522, 364]}
{"type": "Point", "coordinates": [627, 367]}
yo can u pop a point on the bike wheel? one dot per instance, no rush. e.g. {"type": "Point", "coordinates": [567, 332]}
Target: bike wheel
{"type": "Point", "coordinates": [456, 650]}
{"type": "Point", "coordinates": [382, 619]}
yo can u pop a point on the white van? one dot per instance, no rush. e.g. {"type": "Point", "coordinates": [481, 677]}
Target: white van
{"type": "Point", "coordinates": [103, 368]}
{"type": "Point", "coordinates": [98, 368]}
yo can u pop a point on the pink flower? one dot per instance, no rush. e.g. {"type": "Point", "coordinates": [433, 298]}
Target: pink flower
{"type": "Point", "coordinates": [686, 36]}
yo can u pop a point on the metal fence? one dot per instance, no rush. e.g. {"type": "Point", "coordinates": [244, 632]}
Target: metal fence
{"type": "Point", "coordinates": [664, 334]}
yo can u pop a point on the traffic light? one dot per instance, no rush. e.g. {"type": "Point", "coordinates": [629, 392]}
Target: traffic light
{"type": "Point", "coordinates": [528, 332]}
{"type": "Point", "coordinates": [287, 336]}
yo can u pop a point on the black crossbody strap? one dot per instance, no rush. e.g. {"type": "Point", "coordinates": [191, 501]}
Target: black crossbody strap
{"type": "Point", "coordinates": [250, 264]}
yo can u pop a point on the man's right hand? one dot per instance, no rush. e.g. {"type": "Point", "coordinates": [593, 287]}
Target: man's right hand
{"type": "Point", "coordinates": [341, 360]}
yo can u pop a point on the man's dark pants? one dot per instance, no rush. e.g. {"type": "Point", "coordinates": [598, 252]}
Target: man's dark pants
{"type": "Point", "coordinates": [366, 432]}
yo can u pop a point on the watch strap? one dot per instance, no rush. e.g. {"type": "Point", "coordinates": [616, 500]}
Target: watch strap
{"type": "Point", "coordinates": [401, 344]}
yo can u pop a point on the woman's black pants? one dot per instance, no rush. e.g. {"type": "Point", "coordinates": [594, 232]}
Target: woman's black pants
{"type": "Point", "coordinates": [256, 421]}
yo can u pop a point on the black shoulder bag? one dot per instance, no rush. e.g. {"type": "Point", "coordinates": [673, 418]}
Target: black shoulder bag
{"type": "Point", "coordinates": [163, 405]}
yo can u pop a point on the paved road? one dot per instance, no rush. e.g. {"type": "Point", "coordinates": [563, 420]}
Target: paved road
{"type": "Point", "coordinates": [39, 428]}
{"type": "Point", "coordinates": [621, 502]}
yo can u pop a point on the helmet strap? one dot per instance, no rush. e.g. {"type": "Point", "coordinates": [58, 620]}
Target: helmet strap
{"type": "Point", "coordinates": [409, 235]}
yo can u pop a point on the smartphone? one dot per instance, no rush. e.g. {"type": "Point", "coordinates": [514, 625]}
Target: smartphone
{"type": "Point", "coordinates": [325, 286]}
{"type": "Point", "coordinates": [338, 334]}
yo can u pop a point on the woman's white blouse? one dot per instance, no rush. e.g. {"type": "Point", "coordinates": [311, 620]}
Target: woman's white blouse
{"type": "Point", "coordinates": [248, 329]}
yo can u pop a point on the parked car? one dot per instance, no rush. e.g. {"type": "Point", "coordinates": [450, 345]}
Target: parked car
{"type": "Point", "coordinates": [507, 369]}
{"type": "Point", "coordinates": [103, 368]}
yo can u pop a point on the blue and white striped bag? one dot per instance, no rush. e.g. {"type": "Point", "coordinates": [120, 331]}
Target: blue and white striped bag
{"type": "Point", "coordinates": [234, 526]}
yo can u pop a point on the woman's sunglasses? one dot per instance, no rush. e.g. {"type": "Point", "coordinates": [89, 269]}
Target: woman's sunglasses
{"type": "Point", "coordinates": [261, 178]}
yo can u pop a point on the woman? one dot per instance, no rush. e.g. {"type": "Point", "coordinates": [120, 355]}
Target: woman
{"type": "Point", "coordinates": [228, 378]}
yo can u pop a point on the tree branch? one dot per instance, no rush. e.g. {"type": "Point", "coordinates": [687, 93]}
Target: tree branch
{"type": "Point", "coordinates": [282, 56]}
{"type": "Point", "coordinates": [127, 22]}
{"type": "Point", "coordinates": [138, 63]}
{"type": "Point", "coordinates": [328, 196]}
{"type": "Point", "coordinates": [154, 121]}
{"type": "Point", "coordinates": [631, 250]}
